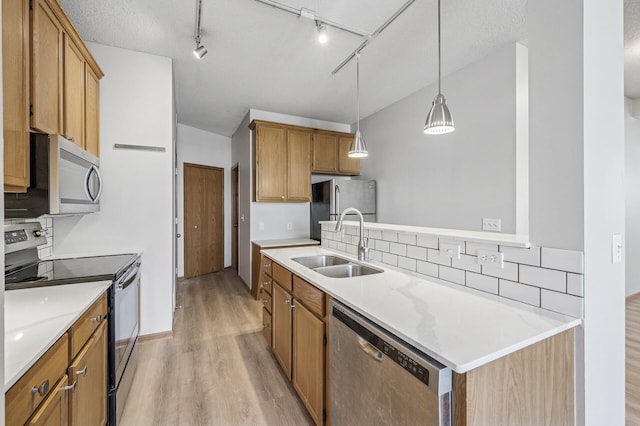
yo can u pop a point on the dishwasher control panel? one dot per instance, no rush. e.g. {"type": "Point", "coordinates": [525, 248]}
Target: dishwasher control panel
{"type": "Point", "coordinates": [404, 361]}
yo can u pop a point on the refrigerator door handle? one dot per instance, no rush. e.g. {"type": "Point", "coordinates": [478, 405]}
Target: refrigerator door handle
{"type": "Point", "coordinates": [337, 204]}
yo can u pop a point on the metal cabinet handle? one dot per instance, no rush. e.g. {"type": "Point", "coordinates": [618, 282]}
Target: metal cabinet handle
{"type": "Point", "coordinates": [266, 265]}
{"type": "Point", "coordinates": [266, 325]}
{"type": "Point", "coordinates": [369, 349]}
{"type": "Point", "coordinates": [43, 389]}
{"type": "Point", "coordinates": [265, 283]}
{"type": "Point", "coordinates": [264, 301]}
{"type": "Point", "coordinates": [97, 318]}
{"type": "Point", "coordinates": [82, 372]}
{"type": "Point", "coordinates": [72, 387]}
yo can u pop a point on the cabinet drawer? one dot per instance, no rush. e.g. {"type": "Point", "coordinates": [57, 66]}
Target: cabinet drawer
{"type": "Point", "coordinates": [21, 401]}
{"type": "Point", "coordinates": [266, 284]}
{"type": "Point", "coordinates": [266, 300]}
{"type": "Point", "coordinates": [266, 326]}
{"type": "Point", "coordinates": [282, 276]}
{"type": "Point", "coordinates": [266, 266]}
{"type": "Point", "coordinates": [87, 324]}
{"type": "Point", "coordinates": [309, 295]}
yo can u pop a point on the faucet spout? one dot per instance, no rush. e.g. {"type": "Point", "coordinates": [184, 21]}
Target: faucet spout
{"type": "Point", "coordinates": [362, 244]}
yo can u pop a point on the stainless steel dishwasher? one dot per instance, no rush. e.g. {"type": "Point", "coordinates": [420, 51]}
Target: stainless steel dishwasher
{"type": "Point", "coordinates": [377, 379]}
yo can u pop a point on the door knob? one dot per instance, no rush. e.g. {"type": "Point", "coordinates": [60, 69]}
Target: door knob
{"type": "Point", "coordinates": [178, 235]}
{"type": "Point", "coordinates": [195, 226]}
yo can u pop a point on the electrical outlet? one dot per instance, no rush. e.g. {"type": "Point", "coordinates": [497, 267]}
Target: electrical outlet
{"type": "Point", "coordinates": [493, 225]}
{"type": "Point", "coordinates": [451, 250]}
{"type": "Point", "coordinates": [289, 226]}
{"type": "Point", "coordinates": [493, 258]}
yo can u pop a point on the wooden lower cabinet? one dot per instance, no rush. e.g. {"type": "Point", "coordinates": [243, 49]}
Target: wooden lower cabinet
{"type": "Point", "coordinates": [308, 360]}
{"type": "Point", "coordinates": [266, 326]}
{"type": "Point", "coordinates": [281, 323]}
{"type": "Point", "coordinates": [88, 405]}
{"type": "Point", "coordinates": [54, 409]}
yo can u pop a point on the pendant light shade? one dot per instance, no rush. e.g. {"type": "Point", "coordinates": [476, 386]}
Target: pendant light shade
{"type": "Point", "coordinates": [358, 149]}
{"type": "Point", "coordinates": [439, 119]}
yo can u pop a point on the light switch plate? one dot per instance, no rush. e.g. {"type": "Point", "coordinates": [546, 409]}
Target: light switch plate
{"type": "Point", "coordinates": [493, 258]}
{"type": "Point", "coordinates": [616, 248]}
{"type": "Point", "coordinates": [492, 225]}
{"type": "Point", "coordinates": [450, 250]}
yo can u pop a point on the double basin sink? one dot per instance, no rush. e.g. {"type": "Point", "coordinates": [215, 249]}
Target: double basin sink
{"type": "Point", "coordinates": [335, 266]}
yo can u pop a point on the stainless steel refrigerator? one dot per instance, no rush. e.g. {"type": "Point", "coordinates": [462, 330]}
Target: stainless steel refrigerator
{"type": "Point", "coordinates": [331, 197]}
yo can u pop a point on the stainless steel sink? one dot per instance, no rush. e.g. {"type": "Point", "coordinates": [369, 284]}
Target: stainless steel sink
{"type": "Point", "coordinates": [320, 261]}
{"type": "Point", "coordinates": [347, 271]}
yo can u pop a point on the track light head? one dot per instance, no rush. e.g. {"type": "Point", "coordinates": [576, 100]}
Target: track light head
{"type": "Point", "coordinates": [322, 32]}
{"type": "Point", "coordinates": [200, 51]}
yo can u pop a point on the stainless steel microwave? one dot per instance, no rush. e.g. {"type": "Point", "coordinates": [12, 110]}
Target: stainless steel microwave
{"type": "Point", "coordinates": [65, 179]}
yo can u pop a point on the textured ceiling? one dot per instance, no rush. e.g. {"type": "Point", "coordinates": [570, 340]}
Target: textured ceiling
{"type": "Point", "coordinates": [261, 57]}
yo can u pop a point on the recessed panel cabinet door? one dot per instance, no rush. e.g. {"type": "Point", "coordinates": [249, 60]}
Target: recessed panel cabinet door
{"type": "Point", "coordinates": [46, 69]}
{"type": "Point", "coordinates": [54, 409]}
{"type": "Point", "coordinates": [281, 324]}
{"type": "Point", "coordinates": [347, 164]}
{"type": "Point", "coordinates": [74, 75]}
{"type": "Point", "coordinates": [308, 362]}
{"type": "Point", "coordinates": [92, 112]}
{"type": "Point", "coordinates": [324, 153]}
{"type": "Point", "coordinates": [270, 169]}
{"type": "Point", "coordinates": [298, 165]}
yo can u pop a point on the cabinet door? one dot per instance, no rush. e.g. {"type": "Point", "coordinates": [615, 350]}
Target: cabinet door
{"type": "Point", "coordinates": [298, 165]}
{"type": "Point", "coordinates": [266, 326]}
{"type": "Point", "coordinates": [89, 371]}
{"type": "Point", "coordinates": [281, 325]}
{"type": "Point", "coordinates": [325, 155]}
{"type": "Point", "coordinates": [92, 112]}
{"type": "Point", "coordinates": [73, 93]}
{"type": "Point", "coordinates": [308, 362]}
{"type": "Point", "coordinates": [270, 163]}
{"type": "Point", "coordinates": [46, 69]}
{"type": "Point", "coordinates": [15, 69]}
{"type": "Point", "coordinates": [54, 409]}
{"type": "Point", "coordinates": [346, 164]}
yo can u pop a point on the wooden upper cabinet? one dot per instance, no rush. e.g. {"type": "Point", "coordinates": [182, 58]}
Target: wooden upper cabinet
{"type": "Point", "coordinates": [47, 44]}
{"type": "Point", "coordinates": [15, 89]}
{"type": "Point", "coordinates": [298, 165]}
{"type": "Point", "coordinates": [74, 93]}
{"type": "Point", "coordinates": [325, 155]}
{"type": "Point", "coordinates": [270, 165]}
{"type": "Point", "coordinates": [346, 164]}
{"type": "Point", "coordinates": [92, 112]}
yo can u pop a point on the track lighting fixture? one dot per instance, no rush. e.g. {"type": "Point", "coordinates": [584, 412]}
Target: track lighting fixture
{"type": "Point", "coordinates": [322, 32]}
{"type": "Point", "coordinates": [358, 149]}
{"type": "Point", "coordinates": [200, 50]}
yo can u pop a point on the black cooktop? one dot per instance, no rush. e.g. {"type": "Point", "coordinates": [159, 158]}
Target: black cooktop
{"type": "Point", "coordinates": [69, 271]}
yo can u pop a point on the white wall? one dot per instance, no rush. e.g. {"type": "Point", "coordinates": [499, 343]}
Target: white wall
{"type": "Point", "coordinates": [632, 188]}
{"type": "Point", "coordinates": [274, 217]}
{"type": "Point", "coordinates": [456, 179]}
{"type": "Point", "coordinates": [197, 146]}
{"type": "Point", "coordinates": [577, 178]}
{"type": "Point", "coordinates": [136, 98]}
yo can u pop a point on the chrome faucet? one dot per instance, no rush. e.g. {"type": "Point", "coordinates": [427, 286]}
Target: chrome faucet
{"type": "Point", "coordinates": [362, 245]}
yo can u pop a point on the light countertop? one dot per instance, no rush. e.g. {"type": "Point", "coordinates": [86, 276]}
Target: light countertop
{"type": "Point", "coordinates": [35, 318]}
{"type": "Point", "coordinates": [461, 328]}
{"type": "Point", "coordinates": [289, 242]}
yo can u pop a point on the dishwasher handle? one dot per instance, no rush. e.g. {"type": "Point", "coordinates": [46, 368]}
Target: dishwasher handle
{"type": "Point", "coordinates": [369, 349]}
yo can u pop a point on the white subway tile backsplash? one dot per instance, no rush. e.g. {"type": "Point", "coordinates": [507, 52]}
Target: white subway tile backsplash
{"type": "Point", "coordinates": [450, 274]}
{"type": "Point", "coordinates": [352, 249]}
{"type": "Point", "coordinates": [520, 292]}
{"type": "Point", "coordinates": [390, 259]}
{"type": "Point", "coordinates": [406, 263]}
{"type": "Point", "coordinates": [427, 268]}
{"type": "Point", "coordinates": [419, 253]}
{"type": "Point", "coordinates": [374, 233]}
{"type": "Point", "coordinates": [482, 282]}
{"type": "Point", "coordinates": [530, 256]}
{"type": "Point", "coordinates": [399, 249]}
{"type": "Point", "coordinates": [355, 239]}
{"type": "Point", "coordinates": [564, 260]}
{"type": "Point", "coordinates": [544, 278]}
{"type": "Point", "coordinates": [390, 236]}
{"type": "Point", "coordinates": [509, 272]}
{"type": "Point", "coordinates": [575, 284]}
{"type": "Point", "coordinates": [341, 247]}
{"type": "Point", "coordinates": [407, 238]}
{"type": "Point", "coordinates": [451, 242]}
{"type": "Point", "coordinates": [350, 230]}
{"type": "Point", "coordinates": [428, 241]}
{"type": "Point", "coordinates": [375, 255]}
{"type": "Point", "coordinates": [434, 256]}
{"type": "Point", "coordinates": [382, 245]}
{"type": "Point", "coordinates": [562, 303]}
{"type": "Point", "coordinates": [473, 247]}
{"type": "Point", "coordinates": [466, 262]}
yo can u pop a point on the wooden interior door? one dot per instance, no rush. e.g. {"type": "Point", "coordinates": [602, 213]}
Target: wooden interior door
{"type": "Point", "coordinates": [203, 219]}
{"type": "Point", "coordinates": [234, 218]}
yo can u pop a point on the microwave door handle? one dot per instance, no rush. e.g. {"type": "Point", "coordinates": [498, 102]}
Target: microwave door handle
{"type": "Point", "coordinates": [337, 203]}
{"type": "Point", "coordinates": [87, 179]}
{"type": "Point", "coordinates": [99, 176]}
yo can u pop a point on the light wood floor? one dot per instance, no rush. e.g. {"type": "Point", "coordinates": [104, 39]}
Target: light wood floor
{"type": "Point", "coordinates": [633, 361]}
{"type": "Point", "coordinates": [216, 369]}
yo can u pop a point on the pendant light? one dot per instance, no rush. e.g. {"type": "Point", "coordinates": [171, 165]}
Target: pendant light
{"type": "Point", "coordinates": [439, 119]}
{"type": "Point", "coordinates": [200, 50]}
{"type": "Point", "coordinates": [358, 149]}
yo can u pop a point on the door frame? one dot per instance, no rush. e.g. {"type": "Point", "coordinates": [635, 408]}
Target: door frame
{"type": "Point", "coordinates": [235, 222]}
{"type": "Point", "coordinates": [184, 212]}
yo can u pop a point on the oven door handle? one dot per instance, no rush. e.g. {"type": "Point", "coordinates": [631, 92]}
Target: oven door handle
{"type": "Point", "coordinates": [128, 279]}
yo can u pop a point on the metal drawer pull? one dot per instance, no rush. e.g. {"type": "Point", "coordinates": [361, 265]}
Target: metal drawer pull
{"type": "Point", "coordinates": [43, 389]}
{"type": "Point", "coordinates": [369, 349]}
{"type": "Point", "coordinates": [97, 318]}
{"type": "Point", "coordinates": [72, 387]}
{"type": "Point", "coordinates": [82, 372]}
{"type": "Point", "coordinates": [265, 283]}
{"type": "Point", "coordinates": [266, 265]}
{"type": "Point", "coordinates": [266, 325]}
{"type": "Point", "coordinates": [264, 301]}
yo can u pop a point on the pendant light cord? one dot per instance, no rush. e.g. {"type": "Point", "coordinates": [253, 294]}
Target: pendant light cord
{"type": "Point", "coordinates": [439, 58]}
{"type": "Point", "coordinates": [199, 14]}
{"type": "Point", "coordinates": [358, 87]}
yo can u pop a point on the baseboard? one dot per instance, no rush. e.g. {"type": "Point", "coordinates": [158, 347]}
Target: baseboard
{"type": "Point", "coordinates": [155, 336]}
{"type": "Point", "coordinates": [182, 278]}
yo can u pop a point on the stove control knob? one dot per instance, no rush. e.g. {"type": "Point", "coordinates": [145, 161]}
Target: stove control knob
{"type": "Point", "coordinates": [40, 233]}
